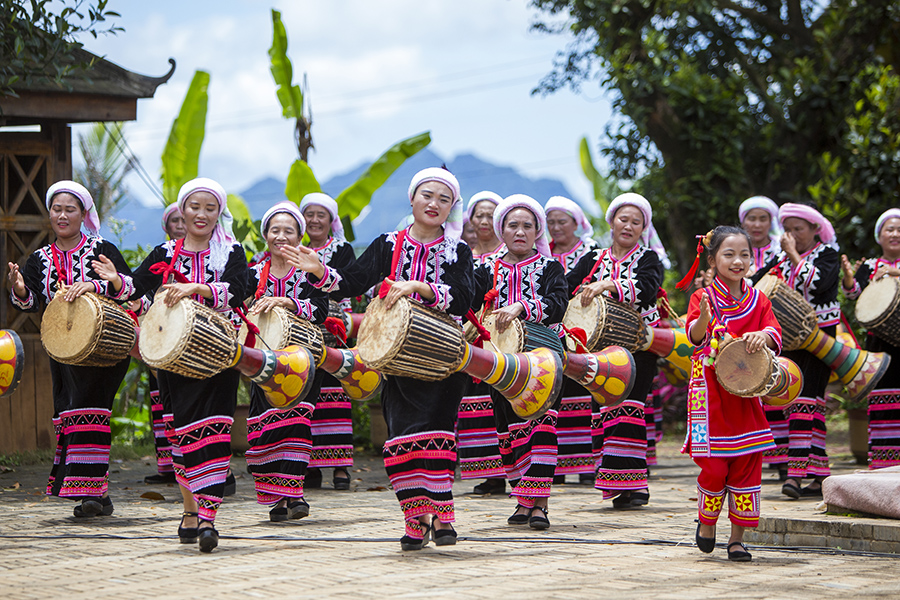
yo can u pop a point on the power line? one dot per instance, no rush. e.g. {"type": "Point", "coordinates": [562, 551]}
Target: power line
{"type": "Point", "coordinates": [129, 155]}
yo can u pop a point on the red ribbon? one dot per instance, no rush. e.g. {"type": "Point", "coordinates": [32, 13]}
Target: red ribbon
{"type": "Point", "coordinates": [165, 269]}
{"type": "Point", "coordinates": [263, 280]}
{"type": "Point", "coordinates": [252, 330]}
{"type": "Point", "coordinates": [63, 276]}
{"type": "Point", "coordinates": [590, 275]}
{"type": "Point", "coordinates": [664, 307]}
{"type": "Point", "coordinates": [395, 258]}
{"type": "Point", "coordinates": [580, 337]}
{"type": "Point", "coordinates": [337, 328]}
{"type": "Point", "coordinates": [483, 334]}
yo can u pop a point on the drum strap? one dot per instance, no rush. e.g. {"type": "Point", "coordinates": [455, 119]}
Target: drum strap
{"type": "Point", "coordinates": [57, 264]}
{"type": "Point", "coordinates": [590, 275]}
{"type": "Point", "coordinates": [395, 258]}
{"type": "Point", "coordinates": [161, 268]}
{"type": "Point", "coordinates": [263, 280]}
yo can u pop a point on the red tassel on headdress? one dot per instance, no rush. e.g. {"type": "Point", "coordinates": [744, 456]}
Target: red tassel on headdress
{"type": "Point", "coordinates": [337, 328]}
{"type": "Point", "coordinates": [685, 284]}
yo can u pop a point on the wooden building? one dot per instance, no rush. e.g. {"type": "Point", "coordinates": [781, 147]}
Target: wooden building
{"type": "Point", "coordinates": [30, 162]}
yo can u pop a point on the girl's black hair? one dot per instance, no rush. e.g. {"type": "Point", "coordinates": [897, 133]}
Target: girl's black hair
{"type": "Point", "coordinates": [713, 240]}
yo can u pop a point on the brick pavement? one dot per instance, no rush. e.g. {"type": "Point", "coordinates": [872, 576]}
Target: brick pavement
{"type": "Point", "coordinates": [348, 547]}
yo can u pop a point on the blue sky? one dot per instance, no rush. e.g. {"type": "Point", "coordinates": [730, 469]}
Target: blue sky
{"type": "Point", "coordinates": [377, 72]}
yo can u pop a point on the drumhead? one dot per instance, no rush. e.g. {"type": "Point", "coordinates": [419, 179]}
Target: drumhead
{"type": "Point", "coordinates": [767, 284]}
{"type": "Point", "coordinates": [590, 318]}
{"type": "Point", "coordinates": [165, 330]}
{"type": "Point", "coordinates": [383, 331]}
{"type": "Point", "coordinates": [877, 301]}
{"type": "Point", "coordinates": [273, 328]}
{"type": "Point", "coordinates": [741, 373]}
{"type": "Point", "coordinates": [512, 339]}
{"type": "Point", "coordinates": [70, 329]}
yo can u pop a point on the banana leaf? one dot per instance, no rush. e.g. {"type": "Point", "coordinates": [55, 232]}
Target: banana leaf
{"type": "Point", "coordinates": [181, 156]}
{"type": "Point", "coordinates": [300, 181]}
{"type": "Point", "coordinates": [246, 230]}
{"type": "Point", "coordinates": [289, 95]}
{"type": "Point", "coordinates": [352, 200]}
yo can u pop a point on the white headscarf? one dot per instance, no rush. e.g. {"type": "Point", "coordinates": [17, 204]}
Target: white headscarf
{"type": "Point", "coordinates": [91, 218]}
{"type": "Point", "coordinates": [222, 238]}
{"type": "Point", "coordinates": [767, 204]}
{"type": "Point", "coordinates": [891, 213]}
{"type": "Point", "coordinates": [170, 210]}
{"type": "Point", "coordinates": [584, 228]}
{"type": "Point", "coordinates": [495, 199]}
{"type": "Point", "coordinates": [453, 225]}
{"type": "Point", "coordinates": [287, 207]}
{"type": "Point", "coordinates": [649, 237]}
{"type": "Point", "coordinates": [534, 207]}
{"type": "Point", "coordinates": [329, 204]}
{"type": "Point", "coordinates": [809, 214]}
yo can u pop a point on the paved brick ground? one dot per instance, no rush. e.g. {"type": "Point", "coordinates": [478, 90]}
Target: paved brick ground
{"type": "Point", "coordinates": [348, 547]}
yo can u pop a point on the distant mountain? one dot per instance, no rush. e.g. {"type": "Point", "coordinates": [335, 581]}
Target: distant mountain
{"type": "Point", "coordinates": [390, 204]}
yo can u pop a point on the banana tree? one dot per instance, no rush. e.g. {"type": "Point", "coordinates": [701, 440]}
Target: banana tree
{"type": "Point", "coordinates": [181, 156]}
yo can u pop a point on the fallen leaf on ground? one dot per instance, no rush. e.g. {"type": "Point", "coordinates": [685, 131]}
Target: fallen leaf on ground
{"type": "Point", "coordinates": [14, 486]}
{"type": "Point", "coordinates": [377, 488]}
{"type": "Point", "coordinates": [153, 496]}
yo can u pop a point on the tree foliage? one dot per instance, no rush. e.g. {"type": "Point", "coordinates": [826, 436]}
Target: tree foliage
{"type": "Point", "coordinates": [38, 39]}
{"type": "Point", "coordinates": [720, 100]}
{"type": "Point", "coordinates": [105, 167]}
{"type": "Point", "coordinates": [181, 156]}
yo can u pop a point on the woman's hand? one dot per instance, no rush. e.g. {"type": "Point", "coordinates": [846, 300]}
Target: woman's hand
{"type": "Point", "coordinates": [789, 245]}
{"type": "Point", "coordinates": [177, 291]}
{"type": "Point", "coordinates": [756, 340]}
{"type": "Point", "coordinates": [305, 259]}
{"type": "Point", "coordinates": [106, 270]}
{"type": "Point", "coordinates": [16, 281]}
{"type": "Point", "coordinates": [506, 315]}
{"type": "Point", "coordinates": [592, 290]}
{"type": "Point", "coordinates": [267, 303]}
{"type": "Point", "coordinates": [406, 288]}
{"type": "Point", "coordinates": [886, 271]}
{"type": "Point", "coordinates": [78, 289]}
{"type": "Point", "coordinates": [848, 270]}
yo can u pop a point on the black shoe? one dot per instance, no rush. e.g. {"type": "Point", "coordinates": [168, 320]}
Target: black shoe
{"type": "Point", "coordinates": [703, 543]}
{"type": "Point", "coordinates": [340, 483]}
{"type": "Point", "coordinates": [187, 535]}
{"type": "Point", "coordinates": [208, 538]}
{"type": "Point", "coordinates": [278, 514]}
{"type": "Point", "coordinates": [539, 521]}
{"type": "Point", "coordinates": [490, 486]}
{"type": "Point", "coordinates": [739, 555]}
{"type": "Point", "coordinates": [790, 490]}
{"type": "Point", "coordinates": [811, 492]}
{"type": "Point", "coordinates": [297, 509]}
{"type": "Point", "coordinates": [623, 500]}
{"type": "Point", "coordinates": [559, 479]}
{"type": "Point", "coordinates": [408, 543]}
{"type": "Point", "coordinates": [159, 478]}
{"type": "Point", "coordinates": [518, 518]}
{"type": "Point", "coordinates": [313, 479]}
{"type": "Point", "coordinates": [230, 484]}
{"type": "Point", "coordinates": [640, 498]}
{"type": "Point", "coordinates": [92, 507]}
{"type": "Point", "coordinates": [586, 478]}
{"type": "Point", "coordinates": [443, 537]}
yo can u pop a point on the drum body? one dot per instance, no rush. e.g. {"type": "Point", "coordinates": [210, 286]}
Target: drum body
{"type": "Point", "coordinates": [878, 309]}
{"type": "Point", "coordinates": [189, 339]}
{"type": "Point", "coordinates": [410, 340]}
{"type": "Point", "coordinates": [744, 374]}
{"type": "Point", "coordinates": [796, 317]}
{"type": "Point", "coordinates": [522, 336]}
{"type": "Point", "coordinates": [91, 331]}
{"type": "Point", "coordinates": [280, 328]}
{"type": "Point", "coordinates": [606, 323]}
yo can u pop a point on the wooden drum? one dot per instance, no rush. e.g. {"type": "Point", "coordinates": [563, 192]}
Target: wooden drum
{"type": "Point", "coordinates": [91, 331]}
{"type": "Point", "coordinates": [796, 317]}
{"type": "Point", "coordinates": [606, 323]}
{"type": "Point", "coordinates": [189, 339]}
{"type": "Point", "coordinates": [743, 374]}
{"type": "Point", "coordinates": [878, 309]}
{"type": "Point", "coordinates": [280, 328]}
{"type": "Point", "coordinates": [522, 336]}
{"type": "Point", "coordinates": [410, 340]}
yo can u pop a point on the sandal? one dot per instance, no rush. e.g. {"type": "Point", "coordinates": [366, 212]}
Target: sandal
{"type": "Point", "coordinates": [93, 506]}
{"type": "Point", "coordinates": [408, 543]}
{"type": "Point", "coordinates": [442, 537]}
{"type": "Point", "coordinates": [518, 518]}
{"type": "Point", "coordinates": [539, 521]}
{"type": "Point", "coordinates": [705, 544]}
{"type": "Point", "coordinates": [623, 500]}
{"type": "Point", "coordinates": [739, 555]}
{"type": "Point", "coordinates": [297, 509]}
{"type": "Point", "coordinates": [790, 490]}
{"type": "Point", "coordinates": [341, 483]}
{"type": "Point", "coordinates": [187, 535]}
{"type": "Point", "coordinates": [811, 492]}
{"type": "Point", "coordinates": [208, 537]}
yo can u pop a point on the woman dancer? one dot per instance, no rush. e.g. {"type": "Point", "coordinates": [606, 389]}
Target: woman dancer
{"type": "Point", "coordinates": [809, 263]}
{"type": "Point", "coordinates": [82, 396]}
{"type": "Point", "coordinates": [525, 283]}
{"type": "Point", "coordinates": [629, 271]}
{"type": "Point", "coordinates": [570, 233]}
{"type": "Point", "coordinates": [280, 439]}
{"type": "Point", "coordinates": [759, 218]}
{"type": "Point", "coordinates": [727, 434]}
{"type": "Point", "coordinates": [210, 267]}
{"type": "Point", "coordinates": [331, 422]}
{"type": "Point", "coordinates": [884, 414]}
{"type": "Point", "coordinates": [426, 262]}
{"type": "Point", "coordinates": [476, 433]}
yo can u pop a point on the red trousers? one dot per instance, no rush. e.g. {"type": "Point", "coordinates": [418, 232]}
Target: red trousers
{"type": "Point", "coordinates": [739, 475]}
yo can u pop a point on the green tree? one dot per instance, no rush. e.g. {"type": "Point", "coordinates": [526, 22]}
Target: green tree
{"type": "Point", "coordinates": [105, 167]}
{"type": "Point", "coordinates": [38, 39]}
{"type": "Point", "coordinates": [723, 99]}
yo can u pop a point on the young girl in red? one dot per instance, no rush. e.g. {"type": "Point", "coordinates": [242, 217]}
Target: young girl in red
{"type": "Point", "coordinates": [727, 434]}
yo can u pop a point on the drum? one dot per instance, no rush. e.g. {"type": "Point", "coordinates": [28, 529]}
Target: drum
{"type": "Point", "coordinates": [606, 323]}
{"type": "Point", "coordinates": [189, 339]}
{"type": "Point", "coordinates": [328, 339]}
{"type": "Point", "coordinates": [796, 317]}
{"type": "Point", "coordinates": [878, 309]}
{"type": "Point", "coordinates": [744, 374]}
{"type": "Point", "coordinates": [91, 331]}
{"type": "Point", "coordinates": [522, 336]}
{"type": "Point", "coordinates": [280, 328]}
{"type": "Point", "coordinates": [410, 340]}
